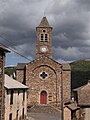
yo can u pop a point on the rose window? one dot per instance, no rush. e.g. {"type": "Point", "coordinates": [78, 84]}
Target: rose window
{"type": "Point", "coordinates": [43, 75]}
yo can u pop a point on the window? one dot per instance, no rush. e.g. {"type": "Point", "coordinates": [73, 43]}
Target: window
{"type": "Point", "coordinates": [11, 97]}
{"type": "Point", "coordinates": [46, 37]}
{"type": "Point", "coordinates": [23, 114]}
{"type": "Point", "coordinates": [10, 116]}
{"type": "Point", "coordinates": [23, 95]}
{"type": "Point", "coordinates": [44, 31]}
{"type": "Point", "coordinates": [7, 92]}
{"type": "Point", "coordinates": [43, 75]}
{"type": "Point", "coordinates": [41, 37]}
{"type": "Point", "coordinates": [18, 92]}
{"type": "Point", "coordinates": [17, 115]}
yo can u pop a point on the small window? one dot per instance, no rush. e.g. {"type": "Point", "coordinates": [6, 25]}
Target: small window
{"type": "Point", "coordinates": [43, 75]}
{"type": "Point", "coordinates": [44, 31]}
{"type": "Point", "coordinates": [41, 37]}
{"type": "Point", "coordinates": [7, 92]}
{"type": "Point", "coordinates": [23, 95]}
{"type": "Point", "coordinates": [11, 97]}
{"type": "Point", "coordinates": [46, 37]}
{"type": "Point", "coordinates": [17, 115]}
{"type": "Point", "coordinates": [10, 116]}
{"type": "Point", "coordinates": [23, 114]}
{"type": "Point", "coordinates": [18, 92]}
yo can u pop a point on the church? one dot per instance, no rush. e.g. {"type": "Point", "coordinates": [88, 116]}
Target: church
{"type": "Point", "coordinates": [49, 82]}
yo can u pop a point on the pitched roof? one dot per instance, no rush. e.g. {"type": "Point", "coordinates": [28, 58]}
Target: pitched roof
{"type": "Point", "coordinates": [3, 48]}
{"type": "Point", "coordinates": [44, 23]}
{"type": "Point", "coordinates": [21, 66]}
{"type": "Point", "coordinates": [10, 83]}
{"type": "Point", "coordinates": [43, 58]}
{"type": "Point", "coordinates": [65, 67]}
{"type": "Point", "coordinates": [72, 106]}
{"type": "Point", "coordinates": [84, 94]}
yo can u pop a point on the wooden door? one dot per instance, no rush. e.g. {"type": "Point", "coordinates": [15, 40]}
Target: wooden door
{"type": "Point", "coordinates": [43, 97]}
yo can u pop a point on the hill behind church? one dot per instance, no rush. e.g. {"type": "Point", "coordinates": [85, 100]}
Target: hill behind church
{"type": "Point", "coordinates": [80, 72]}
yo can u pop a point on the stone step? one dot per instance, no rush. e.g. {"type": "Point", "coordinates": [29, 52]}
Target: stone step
{"type": "Point", "coordinates": [43, 109]}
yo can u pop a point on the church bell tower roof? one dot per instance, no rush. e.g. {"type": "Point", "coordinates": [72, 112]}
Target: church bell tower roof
{"type": "Point", "coordinates": [44, 23]}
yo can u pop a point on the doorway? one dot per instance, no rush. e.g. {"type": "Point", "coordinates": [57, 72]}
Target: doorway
{"type": "Point", "coordinates": [43, 97]}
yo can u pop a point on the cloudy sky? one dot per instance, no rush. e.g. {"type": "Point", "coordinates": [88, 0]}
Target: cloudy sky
{"type": "Point", "coordinates": [70, 20]}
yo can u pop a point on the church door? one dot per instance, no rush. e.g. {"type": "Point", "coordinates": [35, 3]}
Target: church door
{"type": "Point", "coordinates": [43, 97]}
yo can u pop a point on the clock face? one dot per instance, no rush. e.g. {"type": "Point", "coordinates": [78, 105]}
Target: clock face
{"type": "Point", "coordinates": [43, 49]}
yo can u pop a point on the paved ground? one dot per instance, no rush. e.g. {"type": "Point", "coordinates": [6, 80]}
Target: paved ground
{"type": "Point", "coordinates": [44, 112]}
{"type": "Point", "coordinates": [43, 116]}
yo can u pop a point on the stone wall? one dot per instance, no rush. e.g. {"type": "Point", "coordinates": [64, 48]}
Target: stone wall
{"type": "Point", "coordinates": [1, 86]}
{"type": "Point", "coordinates": [66, 77]}
{"type": "Point", "coordinates": [21, 75]}
{"type": "Point", "coordinates": [52, 84]}
{"type": "Point", "coordinates": [36, 84]}
{"type": "Point", "coordinates": [56, 84]}
{"type": "Point", "coordinates": [48, 44]}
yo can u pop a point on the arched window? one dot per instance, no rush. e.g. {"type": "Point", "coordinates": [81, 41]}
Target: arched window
{"type": "Point", "coordinates": [46, 37]}
{"type": "Point", "coordinates": [42, 37]}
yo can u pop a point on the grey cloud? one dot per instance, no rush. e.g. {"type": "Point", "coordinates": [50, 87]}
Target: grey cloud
{"type": "Point", "coordinates": [72, 28]}
{"type": "Point", "coordinates": [69, 18]}
{"type": "Point", "coordinates": [84, 3]}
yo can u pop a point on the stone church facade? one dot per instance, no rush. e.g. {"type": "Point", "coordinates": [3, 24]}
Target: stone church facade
{"type": "Point", "coordinates": [49, 82]}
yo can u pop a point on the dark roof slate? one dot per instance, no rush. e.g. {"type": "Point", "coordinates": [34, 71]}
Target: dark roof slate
{"type": "Point", "coordinates": [21, 66]}
{"type": "Point", "coordinates": [3, 48]}
{"type": "Point", "coordinates": [84, 95]}
{"type": "Point", "coordinates": [44, 23]}
{"type": "Point", "coordinates": [72, 106]}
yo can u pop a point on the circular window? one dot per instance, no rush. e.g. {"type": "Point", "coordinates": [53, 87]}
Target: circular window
{"type": "Point", "coordinates": [43, 75]}
{"type": "Point", "coordinates": [44, 31]}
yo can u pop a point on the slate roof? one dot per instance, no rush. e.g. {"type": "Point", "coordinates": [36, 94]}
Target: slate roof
{"type": "Point", "coordinates": [3, 48]}
{"type": "Point", "coordinates": [72, 106]}
{"type": "Point", "coordinates": [44, 23]}
{"type": "Point", "coordinates": [21, 66]}
{"type": "Point", "coordinates": [10, 83]}
{"type": "Point", "coordinates": [84, 95]}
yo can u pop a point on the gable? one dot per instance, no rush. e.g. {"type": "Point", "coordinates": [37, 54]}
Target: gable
{"type": "Point", "coordinates": [44, 61]}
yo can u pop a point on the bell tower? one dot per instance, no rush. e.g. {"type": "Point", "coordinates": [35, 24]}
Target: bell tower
{"type": "Point", "coordinates": [44, 39]}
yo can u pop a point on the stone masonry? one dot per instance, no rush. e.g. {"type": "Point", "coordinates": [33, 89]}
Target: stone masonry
{"type": "Point", "coordinates": [3, 50]}
{"type": "Point", "coordinates": [49, 82]}
{"type": "Point", "coordinates": [1, 80]}
{"type": "Point", "coordinates": [52, 84]}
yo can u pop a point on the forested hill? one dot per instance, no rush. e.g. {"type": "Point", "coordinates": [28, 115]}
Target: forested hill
{"type": "Point", "coordinates": [80, 73]}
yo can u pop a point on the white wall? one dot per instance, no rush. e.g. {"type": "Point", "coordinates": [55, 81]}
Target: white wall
{"type": "Point", "coordinates": [18, 104]}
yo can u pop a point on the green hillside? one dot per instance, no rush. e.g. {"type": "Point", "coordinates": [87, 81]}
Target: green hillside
{"type": "Point", "coordinates": [80, 73]}
{"type": "Point", "coordinates": [10, 71]}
